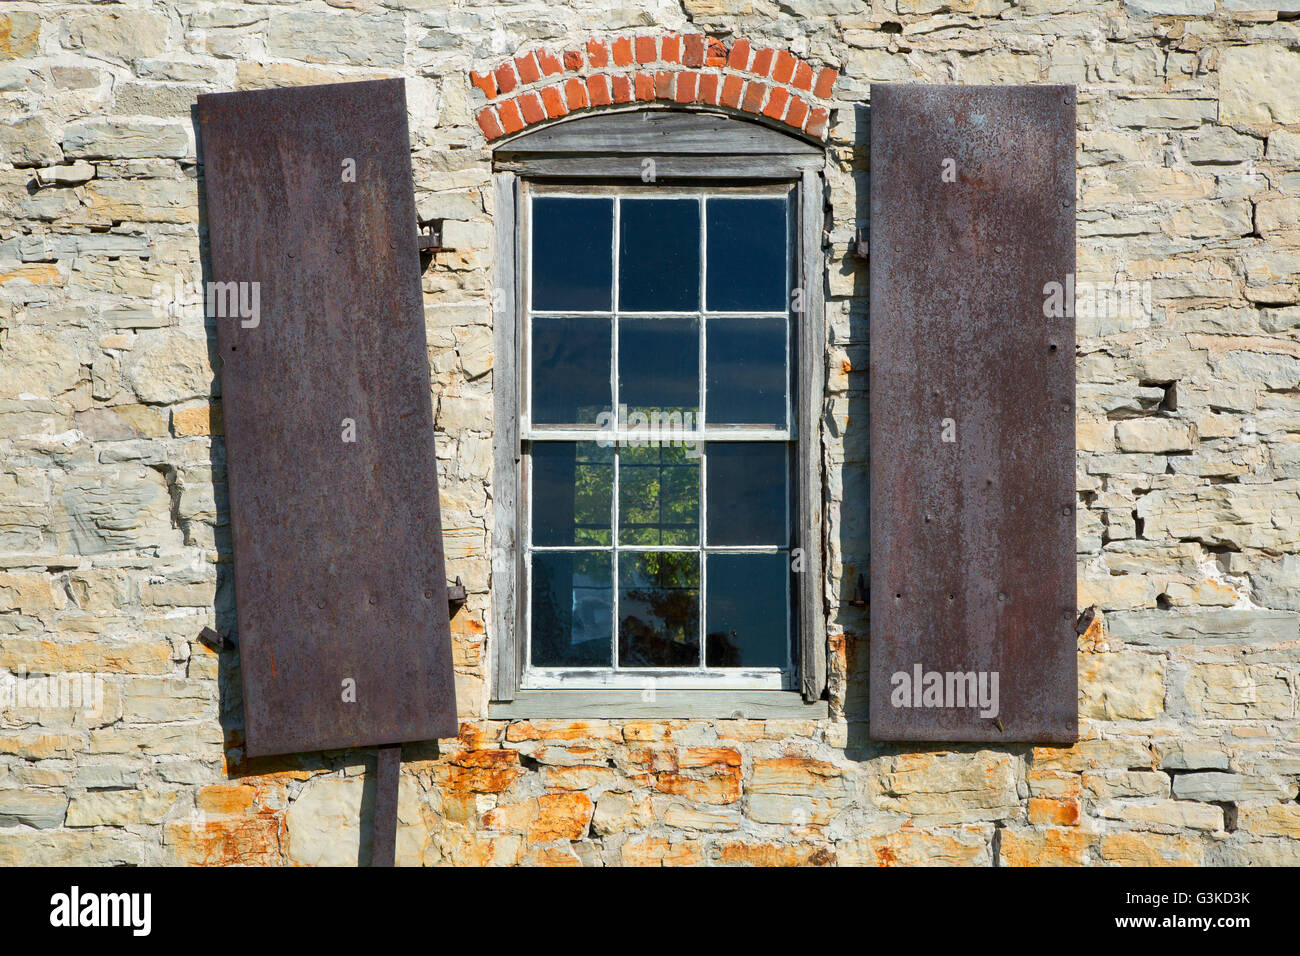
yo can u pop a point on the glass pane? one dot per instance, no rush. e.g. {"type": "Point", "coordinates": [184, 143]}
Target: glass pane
{"type": "Point", "coordinates": [570, 363]}
{"type": "Point", "coordinates": [572, 609]}
{"type": "Point", "coordinates": [747, 496]}
{"type": "Point", "coordinates": [573, 489]}
{"type": "Point", "coordinates": [659, 367]}
{"type": "Point", "coordinates": [659, 609]}
{"type": "Point", "coordinates": [747, 617]}
{"type": "Point", "coordinates": [573, 254]}
{"type": "Point", "coordinates": [658, 495]}
{"type": "Point", "coordinates": [746, 371]}
{"type": "Point", "coordinates": [659, 255]}
{"type": "Point", "coordinates": [747, 262]}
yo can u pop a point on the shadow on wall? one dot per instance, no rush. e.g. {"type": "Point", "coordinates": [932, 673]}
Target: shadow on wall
{"type": "Point", "coordinates": [851, 530]}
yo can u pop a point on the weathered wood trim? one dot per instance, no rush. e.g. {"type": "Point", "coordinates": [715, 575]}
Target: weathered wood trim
{"type": "Point", "coordinates": [572, 704]}
{"type": "Point", "coordinates": [667, 167]}
{"type": "Point", "coordinates": [643, 131]}
{"type": "Point", "coordinates": [811, 361]}
{"type": "Point", "coordinates": [676, 142]}
{"type": "Point", "coordinates": [507, 550]}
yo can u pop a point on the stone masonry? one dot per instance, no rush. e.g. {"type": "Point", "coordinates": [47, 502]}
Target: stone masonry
{"type": "Point", "coordinates": [114, 540]}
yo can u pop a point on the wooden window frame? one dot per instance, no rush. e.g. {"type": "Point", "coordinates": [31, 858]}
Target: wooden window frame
{"type": "Point", "coordinates": [682, 148]}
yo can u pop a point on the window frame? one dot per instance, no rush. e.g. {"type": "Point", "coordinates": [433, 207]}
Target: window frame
{"type": "Point", "coordinates": [688, 149]}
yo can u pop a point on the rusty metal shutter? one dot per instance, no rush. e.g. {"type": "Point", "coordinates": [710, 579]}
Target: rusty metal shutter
{"type": "Point", "coordinates": [972, 413]}
{"type": "Point", "coordinates": [340, 588]}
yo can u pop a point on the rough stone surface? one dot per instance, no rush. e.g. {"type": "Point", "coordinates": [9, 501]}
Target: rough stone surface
{"type": "Point", "coordinates": [114, 528]}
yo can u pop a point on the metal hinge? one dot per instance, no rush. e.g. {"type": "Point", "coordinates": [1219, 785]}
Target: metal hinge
{"type": "Point", "coordinates": [455, 595]}
{"type": "Point", "coordinates": [430, 241]}
{"type": "Point", "coordinates": [861, 247]}
{"type": "Point", "coordinates": [216, 640]}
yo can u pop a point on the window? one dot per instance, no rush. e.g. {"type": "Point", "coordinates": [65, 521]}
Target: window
{"type": "Point", "coordinates": [657, 441]}
{"type": "Point", "coordinates": [658, 499]}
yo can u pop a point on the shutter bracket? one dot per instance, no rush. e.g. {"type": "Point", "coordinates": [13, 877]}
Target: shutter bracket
{"type": "Point", "coordinates": [455, 595]}
{"type": "Point", "coordinates": [430, 241]}
{"type": "Point", "coordinates": [216, 640]}
{"type": "Point", "coordinates": [861, 246]}
{"type": "Point", "coordinates": [859, 598]}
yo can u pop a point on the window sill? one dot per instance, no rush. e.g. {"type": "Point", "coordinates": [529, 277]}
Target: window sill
{"type": "Point", "coordinates": [678, 704]}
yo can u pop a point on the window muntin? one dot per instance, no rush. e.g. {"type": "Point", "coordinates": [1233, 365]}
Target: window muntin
{"type": "Point", "coordinates": [666, 558]}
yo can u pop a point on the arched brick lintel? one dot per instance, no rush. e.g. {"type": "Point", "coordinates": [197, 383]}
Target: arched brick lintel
{"type": "Point", "coordinates": [540, 85]}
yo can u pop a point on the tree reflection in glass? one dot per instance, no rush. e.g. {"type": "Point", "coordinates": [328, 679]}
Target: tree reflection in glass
{"type": "Point", "coordinates": [659, 609]}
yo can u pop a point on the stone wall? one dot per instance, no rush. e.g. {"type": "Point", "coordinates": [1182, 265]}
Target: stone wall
{"type": "Point", "coordinates": [114, 541]}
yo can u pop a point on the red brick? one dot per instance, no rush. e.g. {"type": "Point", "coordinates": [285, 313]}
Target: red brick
{"type": "Point", "coordinates": [622, 52]}
{"type": "Point", "coordinates": [708, 91]}
{"type": "Point", "coordinates": [817, 120]}
{"type": "Point", "coordinates": [549, 62]}
{"type": "Point", "coordinates": [762, 61]}
{"type": "Point", "coordinates": [598, 89]}
{"type": "Point", "coordinates": [485, 82]}
{"type": "Point", "coordinates": [597, 54]}
{"type": "Point", "coordinates": [825, 82]}
{"type": "Point", "coordinates": [575, 92]}
{"type": "Point", "coordinates": [776, 103]}
{"type": "Point", "coordinates": [671, 51]}
{"type": "Point", "coordinates": [695, 47]}
{"type": "Point", "coordinates": [753, 99]}
{"type": "Point", "coordinates": [739, 57]}
{"type": "Point", "coordinates": [511, 120]}
{"type": "Point", "coordinates": [622, 86]}
{"type": "Point", "coordinates": [784, 69]}
{"type": "Point", "coordinates": [488, 123]}
{"type": "Point", "coordinates": [530, 105]}
{"type": "Point", "coordinates": [717, 53]}
{"type": "Point", "coordinates": [645, 49]}
{"type": "Point", "coordinates": [529, 72]}
{"type": "Point", "coordinates": [572, 60]}
{"type": "Point", "coordinates": [731, 89]}
{"type": "Point", "coordinates": [797, 113]}
{"type": "Point", "coordinates": [505, 74]}
{"type": "Point", "coordinates": [686, 85]}
{"type": "Point", "coordinates": [553, 100]}
{"type": "Point", "coordinates": [645, 87]}
{"type": "Point", "coordinates": [663, 85]}
{"type": "Point", "coordinates": [803, 76]}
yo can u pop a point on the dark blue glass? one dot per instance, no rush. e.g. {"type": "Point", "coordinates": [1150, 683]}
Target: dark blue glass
{"type": "Point", "coordinates": [659, 365]}
{"type": "Point", "coordinates": [747, 498]}
{"type": "Point", "coordinates": [659, 255]}
{"type": "Point", "coordinates": [746, 371]}
{"type": "Point", "coordinates": [746, 620]}
{"type": "Point", "coordinates": [747, 260]}
{"type": "Point", "coordinates": [572, 609]}
{"type": "Point", "coordinates": [571, 380]}
{"type": "Point", "coordinates": [573, 254]}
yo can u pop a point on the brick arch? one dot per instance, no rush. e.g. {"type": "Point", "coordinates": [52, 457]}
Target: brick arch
{"type": "Point", "coordinates": [540, 84]}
